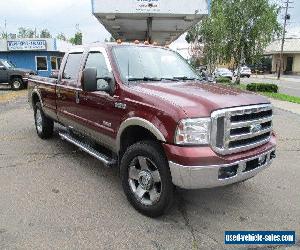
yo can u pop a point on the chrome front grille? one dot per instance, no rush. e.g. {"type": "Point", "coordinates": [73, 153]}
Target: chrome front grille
{"type": "Point", "coordinates": [242, 128]}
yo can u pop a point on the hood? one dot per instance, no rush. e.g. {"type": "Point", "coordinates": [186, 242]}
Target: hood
{"type": "Point", "coordinates": [21, 70]}
{"type": "Point", "coordinates": [200, 99]}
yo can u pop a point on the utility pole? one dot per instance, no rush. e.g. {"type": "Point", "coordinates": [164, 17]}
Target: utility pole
{"type": "Point", "coordinates": [286, 17]}
{"type": "Point", "coordinates": [5, 29]}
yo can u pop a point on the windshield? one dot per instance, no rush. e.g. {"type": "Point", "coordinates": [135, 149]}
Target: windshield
{"type": "Point", "coordinates": [7, 64]}
{"type": "Point", "coordinates": [152, 64]}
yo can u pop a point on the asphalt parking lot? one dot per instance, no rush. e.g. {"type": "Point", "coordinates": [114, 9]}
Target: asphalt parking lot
{"type": "Point", "coordinates": [53, 196]}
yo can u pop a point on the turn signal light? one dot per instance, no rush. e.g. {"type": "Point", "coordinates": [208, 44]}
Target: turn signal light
{"type": "Point", "coordinates": [136, 41]}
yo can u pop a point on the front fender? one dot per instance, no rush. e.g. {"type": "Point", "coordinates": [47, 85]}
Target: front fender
{"type": "Point", "coordinates": [137, 121]}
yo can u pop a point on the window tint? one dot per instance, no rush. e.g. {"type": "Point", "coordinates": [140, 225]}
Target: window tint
{"type": "Point", "coordinates": [72, 66]}
{"type": "Point", "coordinates": [59, 59]}
{"type": "Point", "coordinates": [53, 62]}
{"type": "Point", "coordinates": [41, 63]}
{"type": "Point", "coordinates": [97, 60]}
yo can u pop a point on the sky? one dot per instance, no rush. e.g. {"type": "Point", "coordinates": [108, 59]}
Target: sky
{"type": "Point", "coordinates": [63, 15]}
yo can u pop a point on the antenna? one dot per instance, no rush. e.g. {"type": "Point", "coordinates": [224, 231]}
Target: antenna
{"type": "Point", "coordinates": [286, 18]}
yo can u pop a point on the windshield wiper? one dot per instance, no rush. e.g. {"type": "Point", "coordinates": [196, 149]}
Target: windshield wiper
{"type": "Point", "coordinates": [185, 78]}
{"type": "Point", "coordinates": [145, 78]}
{"type": "Point", "coordinates": [170, 79]}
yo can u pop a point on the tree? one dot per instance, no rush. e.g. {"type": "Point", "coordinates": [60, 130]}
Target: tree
{"type": "Point", "coordinates": [111, 39]}
{"type": "Point", "coordinates": [238, 31]}
{"type": "Point", "coordinates": [25, 33]}
{"type": "Point", "coordinates": [45, 33]}
{"type": "Point", "coordinates": [77, 39]}
{"type": "Point", "coordinates": [61, 36]}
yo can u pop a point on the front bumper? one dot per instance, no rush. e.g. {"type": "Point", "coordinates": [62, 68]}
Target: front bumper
{"type": "Point", "coordinates": [197, 177]}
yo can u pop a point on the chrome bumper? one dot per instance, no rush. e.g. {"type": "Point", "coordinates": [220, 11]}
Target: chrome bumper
{"type": "Point", "coordinates": [197, 177]}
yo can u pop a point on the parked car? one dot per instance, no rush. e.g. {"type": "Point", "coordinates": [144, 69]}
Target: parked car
{"type": "Point", "coordinates": [17, 78]}
{"type": "Point", "coordinates": [244, 71]}
{"type": "Point", "coordinates": [161, 126]}
{"type": "Point", "coordinates": [223, 72]}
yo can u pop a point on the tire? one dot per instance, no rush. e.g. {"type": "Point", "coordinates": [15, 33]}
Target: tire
{"type": "Point", "coordinates": [43, 125]}
{"type": "Point", "coordinates": [146, 178]}
{"type": "Point", "coordinates": [17, 84]}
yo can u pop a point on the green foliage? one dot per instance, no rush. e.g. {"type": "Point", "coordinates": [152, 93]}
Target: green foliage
{"type": "Point", "coordinates": [282, 97]}
{"type": "Point", "coordinates": [26, 33]}
{"type": "Point", "coordinates": [111, 39]}
{"type": "Point", "coordinates": [77, 39]}
{"type": "Point", "coordinates": [237, 30]}
{"type": "Point", "coordinates": [193, 34]}
{"type": "Point", "coordinates": [61, 36]}
{"type": "Point", "coordinates": [45, 33]}
{"type": "Point", "coordinates": [262, 87]}
{"type": "Point", "coordinates": [223, 80]}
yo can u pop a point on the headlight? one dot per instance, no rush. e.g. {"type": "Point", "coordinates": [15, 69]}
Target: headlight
{"type": "Point", "coordinates": [193, 131]}
{"type": "Point", "coordinates": [27, 74]}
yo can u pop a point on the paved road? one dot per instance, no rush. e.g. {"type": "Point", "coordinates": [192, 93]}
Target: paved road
{"type": "Point", "coordinates": [53, 196]}
{"type": "Point", "coordinates": [287, 85]}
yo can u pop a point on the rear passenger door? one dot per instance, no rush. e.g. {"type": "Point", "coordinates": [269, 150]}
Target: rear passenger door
{"type": "Point", "coordinates": [67, 90]}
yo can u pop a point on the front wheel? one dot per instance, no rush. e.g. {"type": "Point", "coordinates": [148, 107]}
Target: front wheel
{"type": "Point", "coordinates": [146, 178]}
{"type": "Point", "coordinates": [44, 125]}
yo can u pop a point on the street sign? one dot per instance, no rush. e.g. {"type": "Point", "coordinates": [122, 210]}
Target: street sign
{"type": "Point", "coordinates": [27, 45]}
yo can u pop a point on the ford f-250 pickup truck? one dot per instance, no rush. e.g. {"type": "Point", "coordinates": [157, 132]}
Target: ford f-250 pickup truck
{"type": "Point", "coordinates": [143, 109]}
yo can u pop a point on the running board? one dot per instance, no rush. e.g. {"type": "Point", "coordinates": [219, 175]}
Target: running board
{"type": "Point", "coordinates": [106, 160]}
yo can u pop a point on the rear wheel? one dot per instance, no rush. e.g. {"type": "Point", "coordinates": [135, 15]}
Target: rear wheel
{"type": "Point", "coordinates": [17, 83]}
{"type": "Point", "coordinates": [146, 178]}
{"type": "Point", "coordinates": [44, 125]}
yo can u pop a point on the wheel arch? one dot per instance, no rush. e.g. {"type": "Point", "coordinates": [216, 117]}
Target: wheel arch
{"type": "Point", "coordinates": [136, 123]}
{"type": "Point", "coordinates": [35, 97]}
{"type": "Point", "coordinates": [11, 77]}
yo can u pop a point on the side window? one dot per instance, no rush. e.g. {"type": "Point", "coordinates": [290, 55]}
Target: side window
{"type": "Point", "coordinates": [41, 63]}
{"type": "Point", "coordinates": [97, 60]}
{"type": "Point", "coordinates": [72, 66]}
{"type": "Point", "coordinates": [59, 59]}
{"type": "Point", "coordinates": [54, 63]}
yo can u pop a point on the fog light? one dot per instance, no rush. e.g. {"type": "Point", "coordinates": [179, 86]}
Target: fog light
{"type": "Point", "coordinates": [273, 155]}
{"type": "Point", "coordinates": [262, 160]}
{"type": "Point", "coordinates": [227, 172]}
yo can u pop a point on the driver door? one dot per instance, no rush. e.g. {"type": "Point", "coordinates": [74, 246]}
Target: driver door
{"type": "Point", "coordinates": [97, 109]}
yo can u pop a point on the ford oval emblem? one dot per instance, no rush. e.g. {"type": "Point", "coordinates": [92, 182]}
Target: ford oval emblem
{"type": "Point", "coordinates": [255, 128]}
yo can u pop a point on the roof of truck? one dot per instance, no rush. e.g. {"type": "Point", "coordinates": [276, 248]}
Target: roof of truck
{"type": "Point", "coordinates": [79, 48]}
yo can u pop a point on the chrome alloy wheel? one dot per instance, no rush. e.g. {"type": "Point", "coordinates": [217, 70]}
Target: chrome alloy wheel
{"type": "Point", "coordinates": [16, 84]}
{"type": "Point", "coordinates": [39, 121]}
{"type": "Point", "coordinates": [144, 180]}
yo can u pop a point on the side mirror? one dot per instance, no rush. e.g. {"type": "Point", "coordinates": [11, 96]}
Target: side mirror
{"type": "Point", "coordinates": [2, 68]}
{"type": "Point", "coordinates": [92, 83]}
{"type": "Point", "coordinates": [90, 79]}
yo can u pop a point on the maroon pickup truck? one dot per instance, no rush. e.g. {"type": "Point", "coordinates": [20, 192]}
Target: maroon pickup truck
{"type": "Point", "coordinates": [144, 110]}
